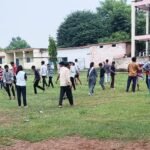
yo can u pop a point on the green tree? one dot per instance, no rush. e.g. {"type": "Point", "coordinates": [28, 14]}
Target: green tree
{"type": "Point", "coordinates": [17, 43]}
{"type": "Point", "coordinates": [52, 50]}
{"type": "Point", "coordinates": [79, 28]}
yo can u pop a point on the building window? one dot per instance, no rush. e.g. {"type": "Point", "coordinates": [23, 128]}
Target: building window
{"type": "Point", "coordinates": [101, 46]}
{"type": "Point", "coordinates": [28, 59]}
{"type": "Point", "coordinates": [113, 45]}
{"type": "Point", "coordinates": [65, 59]}
{"type": "Point", "coordinates": [1, 61]}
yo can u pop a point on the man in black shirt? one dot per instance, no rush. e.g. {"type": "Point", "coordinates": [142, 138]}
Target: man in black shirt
{"type": "Point", "coordinates": [113, 73]}
{"type": "Point", "coordinates": [36, 80]}
{"type": "Point", "coordinates": [102, 76]}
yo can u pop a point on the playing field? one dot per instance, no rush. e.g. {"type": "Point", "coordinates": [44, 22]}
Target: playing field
{"type": "Point", "coordinates": [109, 114]}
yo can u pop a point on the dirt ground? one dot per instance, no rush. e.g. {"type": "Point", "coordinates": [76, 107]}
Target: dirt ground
{"type": "Point", "coordinates": [77, 143]}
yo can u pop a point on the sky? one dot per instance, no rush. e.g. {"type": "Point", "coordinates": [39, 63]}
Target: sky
{"type": "Point", "coordinates": [35, 20]}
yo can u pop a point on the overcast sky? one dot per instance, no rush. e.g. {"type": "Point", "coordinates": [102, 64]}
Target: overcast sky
{"type": "Point", "coordinates": [35, 20]}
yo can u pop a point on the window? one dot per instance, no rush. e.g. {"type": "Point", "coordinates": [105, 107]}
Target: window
{"type": "Point", "coordinates": [65, 59]}
{"type": "Point", "coordinates": [28, 59]}
{"type": "Point", "coordinates": [113, 45]}
{"type": "Point", "coordinates": [101, 46]}
{"type": "Point", "coordinates": [1, 61]}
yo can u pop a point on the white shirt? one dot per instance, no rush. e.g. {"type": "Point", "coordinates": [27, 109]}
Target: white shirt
{"type": "Point", "coordinates": [72, 71]}
{"type": "Point", "coordinates": [64, 76]}
{"type": "Point", "coordinates": [20, 78]}
{"type": "Point", "coordinates": [77, 67]}
{"type": "Point", "coordinates": [43, 70]}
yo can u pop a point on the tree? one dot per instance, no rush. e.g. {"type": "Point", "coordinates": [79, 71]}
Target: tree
{"type": "Point", "coordinates": [17, 43]}
{"type": "Point", "coordinates": [52, 50]}
{"type": "Point", "coordinates": [79, 28]}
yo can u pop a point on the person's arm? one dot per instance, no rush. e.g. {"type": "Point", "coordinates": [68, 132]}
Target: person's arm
{"type": "Point", "coordinates": [68, 77]}
{"type": "Point", "coordinates": [25, 76]}
{"type": "Point", "coordinates": [57, 78]}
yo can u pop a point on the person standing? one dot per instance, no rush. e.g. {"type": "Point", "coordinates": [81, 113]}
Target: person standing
{"type": "Point", "coordinates": [113, 73]}
{"type": "Point", "coordinates": [14, 70]}
{"type": "Point", "coordinates": [102, 76]}
{"type": "Point", "coordinates": [107, 71]}
{"type": "Point", "coordinates": [91, 78]}
{"type": "Point", "coordinates": [50, 73]}
{"type": "Point", "coordinates": [43, 72]}
{"type": "Point", "coordinates": [133, 68]}
{"type": "Point", "coordinates": [36, 80]}
{"type": "Point", "coordinates": [1, 77]}
{"type": "Point", "coordinates": [21, 78]}
{"type": "Point", "coordinates": [147, 73]}
{"type": "Point", "coordinates": [65, 84]}
{"type": "Point", "coordinates": [77, 76]}
{"type": "Point", "coordinates": [72, 74]}
{"type": "Point", "coordinates": [8, 79]}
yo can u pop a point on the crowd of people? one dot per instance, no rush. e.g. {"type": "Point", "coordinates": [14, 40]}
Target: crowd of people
{"type": "Point", "coordinates": [14, 80]}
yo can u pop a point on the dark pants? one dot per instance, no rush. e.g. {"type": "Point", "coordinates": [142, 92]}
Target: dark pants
{"type": "Point", "coordinates": [112, 81]}
{"type": "Point", "coordinates": [92, 83]}
{"type": "Point", "coordinates": [67, 90]}
{"type": "Point", "coordinates": [44, 81]}
{"type": "Point", "coordinates": [133, 80]}
{"type": "Point", "coordinates": [1, 84]}
{"type": "Point", "coordinates": [147, 81]}
{"type": "Point", "coordinates": [21, 90]}
{"type": "Point", "coordinates": [36, 85]}
{"type": "Point", "coordinates": [50, 82]}
{"type": "Point", "coordinates": [73, 82]}
{"type": "Point", "coordinates": [10, 88]}
{"type": "Point", "coordinates": [101, 82]}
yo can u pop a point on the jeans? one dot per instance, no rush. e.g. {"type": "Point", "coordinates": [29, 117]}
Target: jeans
{"type": "Point", "coordinates": [21, 90]}
{"type": "Point", "coordinates": [107, 77]}
{"type": "Point", "coordinates": [10, 88]}
{"type": "Point", "coordinates": [67, 90]}
{"type": "Point", "coordinates": [133, 79]}
{"type": "Point", "coordinates": [50, 82]}
{"type": "Point", "coordinates": [36, 85]}
{"type": "Point", "coordinates": [112, 81]}
{"type": "Point", "coordinates": [73, 82]}
{"type": "Point", "coordinates": [101, 82]}
{"type": "Point", "coordinates": [92, 83]}
{"type": "Point", "coordinates": [44, 81]}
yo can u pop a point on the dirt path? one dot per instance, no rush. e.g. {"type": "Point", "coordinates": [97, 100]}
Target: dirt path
{"type": "Point", "coordinates": [76, 143]}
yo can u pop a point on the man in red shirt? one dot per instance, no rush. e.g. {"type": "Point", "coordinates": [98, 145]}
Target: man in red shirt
{"type": "Point", "coordinates": [1, 77]}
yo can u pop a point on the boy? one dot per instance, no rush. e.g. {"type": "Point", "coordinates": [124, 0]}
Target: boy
{"type": "Point", "coordinates": [36, 80]}
{"type": "Point", "coordinates": [102, 76]}
{"type": "Point", "coordinates": [113, 73]}
{"type": "Point", "coordinates": [50, 73]}
{"type": "Point", "coordinates": [8, 80]}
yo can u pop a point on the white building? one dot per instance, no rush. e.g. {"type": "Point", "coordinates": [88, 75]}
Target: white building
{"type": "Point", "coordinates": [85, 54]}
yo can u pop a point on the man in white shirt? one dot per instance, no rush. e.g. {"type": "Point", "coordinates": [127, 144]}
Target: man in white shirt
{"type": "Point", "coordinates": [77, 76]}
{"type": "Point", "coordinates": [65, 83]}
{"type": "Point", "coordinates": [43, 73]}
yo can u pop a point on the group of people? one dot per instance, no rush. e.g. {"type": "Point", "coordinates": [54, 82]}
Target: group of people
{"type": "Point", "coordinates": [14, 80]}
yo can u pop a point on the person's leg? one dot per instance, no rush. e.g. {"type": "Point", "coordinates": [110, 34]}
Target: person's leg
{"type": "Point", "coordinates": [62, 92]}
{"type": "Point", "coordinates": [149, 84]}
{"type": "Point", "coordinates": [23, 91]}
{"type": "Point", "coordinates": [35, 85]}
{"type": "Point", "coordinates": [13, 91]}
{"type": "Point", "coordinates": [128, 83]}
{"type": "Point", "coordinates": [69, 94]}
{"type": "Point", "coordinates": [45, 81]}
{"type": "Point", "coordinates": [51, 82]}
{"type": "Point", "coordinates": [102, 82]}
{"type": "Point", "coordinates": [134, 79]}
{"type": "Point", "coordinates": [112, 81]}
{"type": "Point", "coordinates": [108, 77]}
{"type": "Point", "coordinates": [79, 79]}
{"type": "Point", "coordinates": [19, 95]}
{"type": "Point", "coordinates": [147, 81]}
{"type": "Point", "coordinates": [8, 90]}
{"type": "Point", "coordinates": [73, 84]}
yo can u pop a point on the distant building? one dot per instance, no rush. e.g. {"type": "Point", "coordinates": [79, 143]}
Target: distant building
{"type": "Point", "coordinates": [85, 54]}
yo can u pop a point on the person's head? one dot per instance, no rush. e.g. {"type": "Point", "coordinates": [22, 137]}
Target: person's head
{"type": "Point", "coordinates": [20, 68]}
{"type": "Point", "coordinates": [76, 60]}
{"type": "Point", "coordinates": [6, 67]}
{"type": "Point", "coordinates": [66, 64]}
{"type": "Point", "coordinates": [107, 60]}
{"type": "Point", "coordinates": [73, 63]}
{"type": "Point", "coordinates": [61, 64]}
{"type": "Point", "coordinates": [100, 65]}
{"type": "Point", "coordinates": [42, 62]}
{"type": "Point", "coordinates": [12, 63]}
{"type": "Point", "coordinates": [113, 63]}
{"type": "Point", "coordinates": [33, 68]}
{"type": "Point", "coordinates": [91, 64]}
{"type": "Point", "coordinates": [133, 59]}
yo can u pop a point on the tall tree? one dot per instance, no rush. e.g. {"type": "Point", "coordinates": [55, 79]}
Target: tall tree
{"type": "Point", "coordinates": [52, 50]}
{"type": "Point", "coordinates": [79, 28]}
{"type": "Point", "coordinates": [17, 43]}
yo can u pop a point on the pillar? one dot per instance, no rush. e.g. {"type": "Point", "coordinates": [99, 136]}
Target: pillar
{"type": "Point", "coordinates": [23, 58]}
{"type": "Point", "coordinates": [14, 57]}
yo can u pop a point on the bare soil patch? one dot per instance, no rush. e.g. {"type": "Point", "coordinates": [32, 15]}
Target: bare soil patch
{"type": "Point", "coordinates": [77, 143]}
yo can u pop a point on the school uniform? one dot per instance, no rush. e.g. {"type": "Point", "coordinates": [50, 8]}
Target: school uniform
{"type": "Point", "coordinates": [36, 81]}
{"type": "Point", "coordinates": [8, 83]}
{"type": "Point", "coordinates": [91, 75]}
{"type": "Point", "coordinates": [43, 72]}
{"type": "Point", "coordinates": [21, 78]}
{"type": "Point", "coordinates": [65, 85]}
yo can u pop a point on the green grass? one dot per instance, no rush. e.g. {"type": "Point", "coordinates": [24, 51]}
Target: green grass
{"type": "Point", "coordinates": [109, 114]}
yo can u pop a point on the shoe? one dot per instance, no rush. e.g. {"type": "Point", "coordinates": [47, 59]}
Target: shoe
{"type": "Point", "coordinates": [60, 106]}
{"type": "Point", "coordinates": [25, 106]}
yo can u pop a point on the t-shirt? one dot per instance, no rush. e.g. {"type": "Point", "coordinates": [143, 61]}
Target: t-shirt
{"type": "Point", "coordinates": [102, 72]}
{"type": "Point", "coordinates": [1, 74]}
{"type": "Point", "coordinates": [21, 78]}
{"type": "Point", "coordinates": [133, 69]}
{"type": "Point", "coordinates": [36, 75]}
{"type": "Point", "coordinates": [43, 70]}
{"type": "Point", "coordinates": [107, 68]}
{"type": "Point", "coordinates": [113, 70]}
{"type": "Point", "coordinates": [72, 71]}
